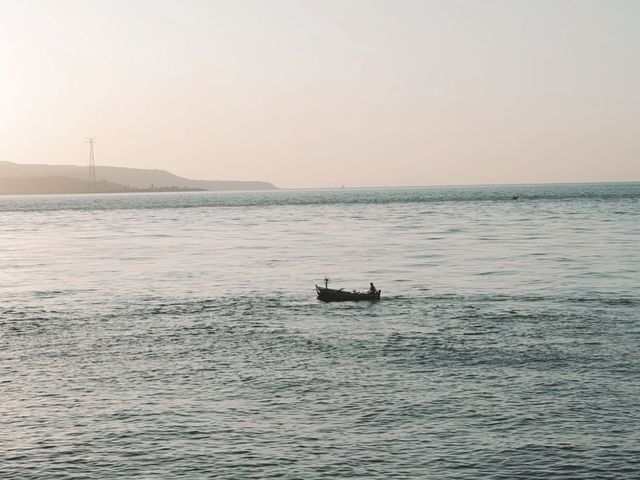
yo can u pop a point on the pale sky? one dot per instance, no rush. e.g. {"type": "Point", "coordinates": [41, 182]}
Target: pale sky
{"type": "Point", "coordinates": [324, 93]}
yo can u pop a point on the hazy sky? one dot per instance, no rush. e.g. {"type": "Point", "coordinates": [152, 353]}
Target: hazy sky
{"type": "Point", "coordinates": [324, 93]}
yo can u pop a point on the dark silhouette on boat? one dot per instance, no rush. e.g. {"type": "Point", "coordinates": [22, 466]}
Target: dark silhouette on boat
{"type": "Point", "coordinates": [327, 294]}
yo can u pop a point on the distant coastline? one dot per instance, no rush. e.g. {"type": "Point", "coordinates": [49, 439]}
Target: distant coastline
{"type": "Point", "coordinates": [24, 179]}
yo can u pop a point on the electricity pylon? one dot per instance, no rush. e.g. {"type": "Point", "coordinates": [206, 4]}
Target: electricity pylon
{"type": "Point", "coordinates": [92, 164]}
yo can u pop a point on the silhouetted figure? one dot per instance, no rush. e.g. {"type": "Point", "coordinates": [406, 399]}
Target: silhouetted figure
{"type": "Point", "coordinates": [372, 288]}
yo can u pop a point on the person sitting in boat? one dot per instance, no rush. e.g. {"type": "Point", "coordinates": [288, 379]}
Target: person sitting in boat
{"type": "Point", "coordinates": [372, 288]}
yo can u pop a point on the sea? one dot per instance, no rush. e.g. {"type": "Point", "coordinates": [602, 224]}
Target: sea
{"type": "Point", "coordinates": [178, 335]}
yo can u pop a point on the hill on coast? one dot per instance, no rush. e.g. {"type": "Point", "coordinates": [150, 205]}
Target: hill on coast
{"type": "Point", "coordinates": [17, 179]}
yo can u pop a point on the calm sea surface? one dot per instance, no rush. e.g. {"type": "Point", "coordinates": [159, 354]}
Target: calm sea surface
{"type": "Point", "coordinates": [177, 336]}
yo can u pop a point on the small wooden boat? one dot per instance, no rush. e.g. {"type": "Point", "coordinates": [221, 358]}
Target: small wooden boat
{"type": "Point", "coordinates": [331, 295]}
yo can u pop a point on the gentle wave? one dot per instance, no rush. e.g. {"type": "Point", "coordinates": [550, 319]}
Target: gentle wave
{"type": "Point", "coordinates": [158, 336]}
{"type": "Point", "coordinates": [502, 193]}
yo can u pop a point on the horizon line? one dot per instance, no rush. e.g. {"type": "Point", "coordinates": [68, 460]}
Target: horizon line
{"type": "Point", "coordinates": [456, 185]}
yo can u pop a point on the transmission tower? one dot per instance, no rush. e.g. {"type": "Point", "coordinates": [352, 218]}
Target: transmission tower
{"type": "Point", "coordinates": [92, 164]}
